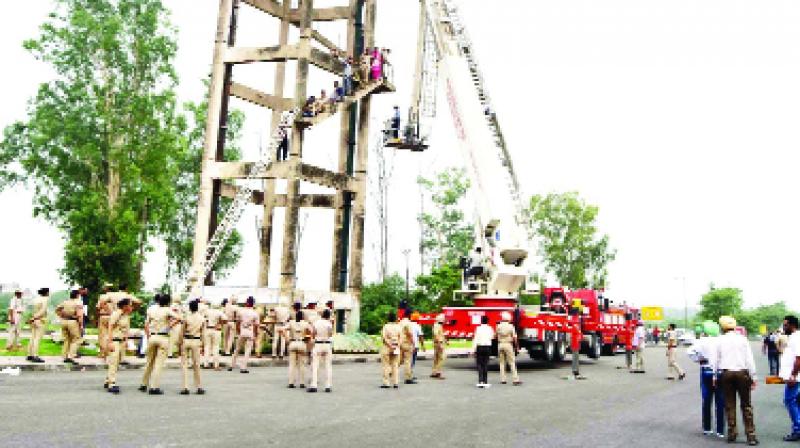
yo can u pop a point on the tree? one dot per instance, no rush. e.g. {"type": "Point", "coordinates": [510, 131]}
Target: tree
{"type": "Point", "coordinates": [573, 252]}
{"type": "Point", "coordinates": [445, 234]}
{"type": "Point", "coordinates": [720, 302]}
{"type": "Point", "coordinates": [769, 315]}
{"type": "Point", "coordinates": [378, 300]}
{"type": "Point", "coordinates": [102, 142]}
{"type": "Point", "coordinates": [180, 233]}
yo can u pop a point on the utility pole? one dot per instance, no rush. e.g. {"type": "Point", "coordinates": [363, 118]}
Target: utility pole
{"type": "Point", "coordinates": [406, 252]}
{"type": "Point", "coordinates": [685, 305]}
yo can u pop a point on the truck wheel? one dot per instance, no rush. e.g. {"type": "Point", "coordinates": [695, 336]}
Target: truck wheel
{"type": "Point", "coordinates": [608, 350]}
{"type": "Point", "coordinates": [595, 347]}
{"type": "Point", "coordinates": [549, 350]}
{"type": "Point", "coordinates": [561, 350]}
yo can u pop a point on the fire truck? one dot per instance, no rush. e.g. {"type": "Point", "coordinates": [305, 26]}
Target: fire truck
{"type": "Point", "coordinates": [552, 322]}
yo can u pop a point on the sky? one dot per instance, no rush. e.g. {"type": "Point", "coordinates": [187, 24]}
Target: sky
{"type": "Point", "coordinates": [677, 119]}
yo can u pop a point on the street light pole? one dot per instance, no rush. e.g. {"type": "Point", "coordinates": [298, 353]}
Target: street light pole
{"type": "Point", "coordinates": [406, 252]}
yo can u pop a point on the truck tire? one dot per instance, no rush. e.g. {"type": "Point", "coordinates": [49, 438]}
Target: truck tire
{"type": "Point", "coordinates": [549, 350]}
{"type": "Point", "coordinates": [610, 349]}
{"type": "Point", "coordinates": [595, 346]}
{"type": "Point", "coordinates": [561, 350]}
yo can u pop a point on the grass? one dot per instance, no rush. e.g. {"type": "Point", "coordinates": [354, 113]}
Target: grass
{"type": "Point", "coordinates": [46, 348]}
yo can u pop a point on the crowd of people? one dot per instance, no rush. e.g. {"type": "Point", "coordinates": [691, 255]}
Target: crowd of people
{"type": "Point", "coordinates": [200, 332]}
{"type": "Point", "coordinates": [372, 65]}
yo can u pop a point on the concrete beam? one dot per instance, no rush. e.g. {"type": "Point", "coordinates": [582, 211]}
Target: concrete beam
{"type": "Point", "coordinates": [326, 178]}
{"type": "Point", "coordinates": [326, 61]}
{"type": "Point", "coordinates": [271, 7]}
{"type": "Point", "coordinates": [260, 98]}
{"type": "Point", "coordinates": [322, 14]}
{"type": "Point", "coordinates": [304, 200]}
{"type": "Point", "coordinates": [241, 170]}
{"type": "Point", "coordinates": [327, 43]}
{"type": "Point", "coordinates": [279, 53]}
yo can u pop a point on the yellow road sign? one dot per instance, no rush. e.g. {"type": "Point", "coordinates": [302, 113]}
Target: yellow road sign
{"type": "Point", "coordinates": [762, 329]}
{"type": "Point", "coordinates": [652, 313]}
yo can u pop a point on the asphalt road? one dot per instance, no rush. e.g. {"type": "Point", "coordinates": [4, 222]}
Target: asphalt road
{"type": "Point", "coordinates": [612, 408]}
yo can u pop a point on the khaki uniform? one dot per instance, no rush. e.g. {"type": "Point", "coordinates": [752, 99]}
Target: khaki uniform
{"type": "Point", "coordinates": [229, 329]}
{"type": "Point", "coordinates": [310, 316]}
{"type": "Point", "coordinates": [212, 336]}
{"type": "Point", "coordinates": [158, 321]}
{"type": "Point", "coordinates": [15, 311]}
{"type": "Point", "coordinates": [439, 346]}
{"type": "Point", "coordinates": [260, 332]}
{"type": "Point", "coordinates": [323, 351]}
{"type": "Point", "coordinates": [390, 353]}
{"type": "Point", "coordinates": [672, 346]}
{"type": "Point", "coordinates": [297, 332]}
{"type": "Point", "coordinates": [104, 309]}
{"type": "Point", "coordinates": [247, 318]}
{"type": "Point", "coordinates": [279, 344]}
{"type": "Point", "coordinates": [38, 323]}
{"type": "Point", "coordinates": [176, 331]}
{"type": "Point", "coordinates": [70, 312]}
{"type": "Point", "coordinates": [119, 325]}
{"type": "Point", "coordinates": [194, 328]}
{"type": "Point", "coordinates": [505, 348]}
{"type": "Point", "coordinates": [407, 347]}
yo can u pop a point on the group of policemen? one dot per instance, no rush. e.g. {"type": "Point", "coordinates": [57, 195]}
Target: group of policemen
{"type": "Point", "coordinates": [197, 332]}
{"type": "Point", "coordinates": [401, 340]}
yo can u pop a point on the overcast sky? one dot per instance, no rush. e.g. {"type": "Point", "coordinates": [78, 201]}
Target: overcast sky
{"type": "Point", "coordinates": [678, 119]}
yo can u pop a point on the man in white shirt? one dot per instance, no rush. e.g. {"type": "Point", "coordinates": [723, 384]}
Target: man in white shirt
{"type": "Point", "coordinates": [736, 375]}
{"type": "Point", "coordinates": [789, 368]}
{"type": "Point", "coordinates": [639, 341]}
{"type": "Point", "coordinates": [419, 342]}
{"type": "Point", "coordinates": [482, 347]}
{"type": "Point", "coordinates": [703, 352]}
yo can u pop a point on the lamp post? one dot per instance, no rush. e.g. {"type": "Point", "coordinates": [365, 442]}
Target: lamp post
{"type": "Point", "coordinates": [406, 252]}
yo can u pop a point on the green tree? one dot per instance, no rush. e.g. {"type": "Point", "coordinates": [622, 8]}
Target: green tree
{"type": "Point", "coordinates": [102, 142]}
{"type": "Point", "coordinates": [769, 315]}
{"type": "Point", "coordinates": [378, 299]}
{"type": "Point", "coordinates": [721, 302]}
{"type": "Point", "coordinates": [181, 228]}
{"type": "Point", "coordinates": [445, 234]}
{"type": "Point", "coordinates": [565, 226]}
{"type": "Point", "coordinates": [435, 290]}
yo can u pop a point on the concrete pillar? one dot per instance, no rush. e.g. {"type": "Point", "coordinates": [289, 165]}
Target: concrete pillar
{"type": "Point", "coordinates": [265, 244]}
{"type": "Point", "coordinates": [344, 147]}
{"type": "Point", "coordinates": [359, 206]}
{"type": "Point", "coordinates": [289, 259]}
{"type": "Point", "coordinates": [215, 101]}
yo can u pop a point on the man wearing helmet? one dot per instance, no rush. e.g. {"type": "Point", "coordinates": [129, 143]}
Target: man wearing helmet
{"type": "Point", "coordinates": [507, 347]}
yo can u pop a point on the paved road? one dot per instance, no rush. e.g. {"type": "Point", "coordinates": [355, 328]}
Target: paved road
{"type": "Point", "coordinates": [612, 408]}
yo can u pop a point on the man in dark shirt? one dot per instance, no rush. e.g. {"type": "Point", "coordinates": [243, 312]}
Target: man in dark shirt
{"type": "Point", "coordinates": [771, 350]}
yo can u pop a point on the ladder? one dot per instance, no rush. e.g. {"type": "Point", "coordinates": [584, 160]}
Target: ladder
{"type": "Point", "coordinates": [243, 196]}
{"type": "Point", "coordinates": [465, 47]}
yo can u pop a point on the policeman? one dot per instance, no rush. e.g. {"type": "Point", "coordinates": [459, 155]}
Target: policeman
{"type": "Point", "coordinates": [297, 332]}
{"type": "Point", "coordinates": [323, 350]}
{"type": "Point", "coordinates": [282, 315]}
{"type": "Point", "coordinates": [70, 312]}
{"type": "Point", "coordinates": [38, 323]}
{"type": "Point", "coordinates": [407, 347]}
{"type": "Point", "coordinates": [104, 308]}
{"type": "Point", "coordinates": [190, 343]}
{"type": "Point", "coordinates": [157, 326]}
{"type": "Point", "coordinates": [672, 346]}
{"type": "Point", "coordinates": [332, 310]}
{"type": "Point", "coordinates": [246, 323]}
{"type": "Point", "coordinates": [311, 315]}
{"type": "Point", "coordinates": [439, 347]}
{"type": "Point", "coordinates": [177, 329]}
{"type": "Point", "coordinates": [229, 330]}
{"type": "Point", "coordinates": [15, 310]}
{"type": "Point", "coordinates": [119, 325]}
{"type": "Point", "coordinates": [390, 351]}
{"type": "Point", "coordinates": [507, 347]}
{"type": "Point", "coordinates": [215, 319]}
{"type": "Point", "coordinates": [260, 331]}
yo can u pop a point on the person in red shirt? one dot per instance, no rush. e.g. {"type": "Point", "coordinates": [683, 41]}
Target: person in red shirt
{"type": "Point", "coordinates": [656, 334]}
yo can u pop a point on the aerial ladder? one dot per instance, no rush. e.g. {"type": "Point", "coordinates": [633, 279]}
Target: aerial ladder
{"type": "Point", "coordinates": [445, 53]}
{"type": "Point", "coordinates": [503, 231]}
